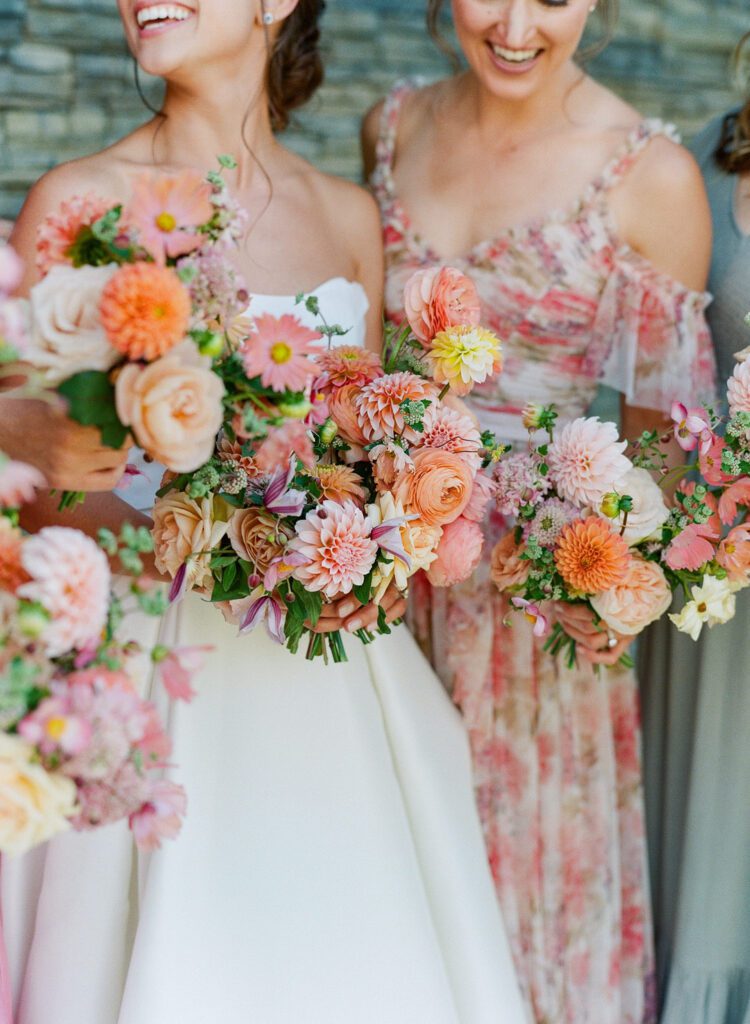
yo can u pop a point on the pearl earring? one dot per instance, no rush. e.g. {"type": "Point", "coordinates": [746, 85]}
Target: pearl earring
{"type": "Point", "coordinates": [267, 18]}
{"type": "Point", "coordinates": [592, 8]}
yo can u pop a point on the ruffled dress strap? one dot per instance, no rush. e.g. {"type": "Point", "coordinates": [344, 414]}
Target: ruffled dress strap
{"type": "Point", "coordinates": [627, 154]}
{"type": "Point", "coordinates": [381, 179]}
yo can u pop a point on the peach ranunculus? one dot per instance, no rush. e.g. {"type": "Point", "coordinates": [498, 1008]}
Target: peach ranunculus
{"type": "Point", "coordinates": [458, 554]}
{"type": "Point", "coordinates": [58, 231]}
{"type": "Point", "coordinates": [639, 599]}
{"type": "Point", "coordinates": [173, 406]}
{"type": "Point", "coordinates": [186, 531]}
{"type": "Point", "coordinates": [438, 487]}
{"type": "Point", "coordinates": [343, 408]}
{"type": "Point", "coordinates": [67, 334]}
{"type": "Point", "coordinates": [734, 554]}
{"type": "Point", "coordinates": [34, 804]}
{"type": "Point", "coordinates": [508, 570]}
{"type": "Point", "coordinates": [438, 298]}
{"type": "Point", "coordinates": [257, 536]}
{"type": "Point", "coordinates": [419, 542]}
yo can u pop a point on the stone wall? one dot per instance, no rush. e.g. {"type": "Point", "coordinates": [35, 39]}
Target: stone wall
{"type": "Point", "coordinates": [67, 87]}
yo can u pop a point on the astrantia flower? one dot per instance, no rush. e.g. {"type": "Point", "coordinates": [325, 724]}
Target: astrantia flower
{"type": "Point", "coordinates": [277, 351]}
{"type": "Point", "coordinates": [335, 539]}
{"type": "Point", "coordinates": [518, 483]}
{"type": "Point", "coordinates": [57, 232]}
{"type": "Point", "coordinates": [160, 817]}
{"type": "Point", "coordinates": [586, 461]}
{"type": "Point", "coordinates": [340, 483]}
{"type": "Point", "coordinates": [451, 431]}
{"type": "Point", "coordinates": [165, 211]}
{"type": "Point", "coordinates": [70, 578]}
{"type": "Point", "coordinates": [145, 310]}
{"type": "Point", "coordinates": [464, 356]}
{"type": "Point", "coordinates": [438, 298]}
{"type": "Point", "coordinates": [550, 520]}
{"type": "Point", "coordinates": [18, 483]}
{"type": "Point", "coordinates": [379, 405]}
{"type": "Point", "coordinates": [713, 603]}
{"type": "Point", "coordinates": [349, 364]}
{"type": "Point", "coordinates": [590, 557]}
{"type": "Point", "coordinates": [738, 389]}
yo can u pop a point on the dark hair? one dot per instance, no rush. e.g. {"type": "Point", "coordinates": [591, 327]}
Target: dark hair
{"type": "Point", "coordinates": [608, 11]}
{"type": "Point", "coordinates": [733, 151]}
{"type": "Point", "coordinates": [295, 69]}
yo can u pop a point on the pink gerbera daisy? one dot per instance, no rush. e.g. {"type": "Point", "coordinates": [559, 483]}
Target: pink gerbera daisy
{"type": "Point", "coordinates": [335, 541]}
{"type": "Point", "coordinates": [379, 405]}
{"type": "Point", "coordinates": [57, 232]}
{"type": "Point", "coordinates": [349, 364]}
{"type": "Point", "coordinates": [277, 351]}
{"type": "Point", "coordinates": [166, 210]}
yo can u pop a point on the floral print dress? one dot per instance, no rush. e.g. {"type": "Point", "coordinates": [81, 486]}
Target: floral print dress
{"type": "Point", "coordinates": [556, 751]}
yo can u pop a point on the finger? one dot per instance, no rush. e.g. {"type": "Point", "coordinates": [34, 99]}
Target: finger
{"type": "Point", "coordinates": [581, 637]}
{"type": "Point", "coordinates": [330, 625]}
{"type": "Point", "coordinates": [397, 610]}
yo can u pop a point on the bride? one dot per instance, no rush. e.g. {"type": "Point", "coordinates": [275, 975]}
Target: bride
{"type": "Point", "coordinates": [331, 869]}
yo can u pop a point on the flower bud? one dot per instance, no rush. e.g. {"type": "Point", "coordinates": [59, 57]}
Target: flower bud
{"type": "Point", "coordinates": [328, 431]}
{"type": "Point", "coordinates": [610, 506]}
{"type": "Point", "coordinates": [296, 409]}
{"type": "Point", "coordinates": [32, 619]}
{"type": "Point", "coordinates": [211, 345]}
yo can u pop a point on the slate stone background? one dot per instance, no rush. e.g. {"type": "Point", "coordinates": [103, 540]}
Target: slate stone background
{"type": "Point", "coordinates": [66, 84]}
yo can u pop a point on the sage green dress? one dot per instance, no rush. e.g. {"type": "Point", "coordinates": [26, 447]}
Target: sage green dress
{"type": "Point", "coordinates": [696, 730]}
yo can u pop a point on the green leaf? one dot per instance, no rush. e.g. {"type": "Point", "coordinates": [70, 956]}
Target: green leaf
{"type": "Point", "coordinates": [383, 626]}
{"type": "Point", "coordinates": [363, 591]}
{"type": "Point", "coordinates": [228, 161]}
{"type": "Point", "coordinates": [91, 402]}
{"type": "Point", "coordinates": [229, 575]}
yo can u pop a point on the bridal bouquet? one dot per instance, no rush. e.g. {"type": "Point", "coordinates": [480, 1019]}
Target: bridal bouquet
{"type": "Point", "coordinates": [78, 746]}
{"type": "Point", "coordinates": [133, 303]}
{"type": "Point", "coordinates": [336, 472]}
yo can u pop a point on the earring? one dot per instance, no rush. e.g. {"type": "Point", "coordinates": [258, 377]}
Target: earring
{"type": "Point", "coordinates": [267, 18]}
{"type": "Point", "coordinates": [592, 8]}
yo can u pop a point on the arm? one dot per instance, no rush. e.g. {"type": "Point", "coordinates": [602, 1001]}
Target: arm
{"type": "Point", "coordinates": [369, 133]}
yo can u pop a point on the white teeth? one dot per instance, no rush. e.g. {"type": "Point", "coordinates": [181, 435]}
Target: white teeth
{"type": "Point", "coordinates": [162, 12]}
{"type": "Point", "coordinates": [514, 56]}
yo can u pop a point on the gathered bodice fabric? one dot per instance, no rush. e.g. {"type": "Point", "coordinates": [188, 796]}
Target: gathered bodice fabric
{"type": "Point", "coordinates": [574, 305]}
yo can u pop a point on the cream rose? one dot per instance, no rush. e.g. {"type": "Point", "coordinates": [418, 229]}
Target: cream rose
{"type": "Point", "coordinates": [66, 333]}
{"type": "Point", "coordinates": [419, 541]}
{"type": "Point", "coordinates": [257, 536]}
{"type": "Point", "coordinates": [639, 599]}
{"type": "Point", "coordinates": [649, 507]}
{"type": "Point", "coordinates": [187, 529]}
{"type": "Point", "coordinates": [173, 406]}
{"type": "Point", "coordinates": [34, 804]}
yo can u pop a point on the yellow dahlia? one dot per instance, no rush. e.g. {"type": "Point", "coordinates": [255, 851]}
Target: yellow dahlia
{"type": "Point", "coordinates": [464, 356]}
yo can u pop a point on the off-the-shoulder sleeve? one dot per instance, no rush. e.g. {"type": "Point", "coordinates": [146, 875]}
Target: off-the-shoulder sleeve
{"type": "Point", "coordinates": [651, 340]}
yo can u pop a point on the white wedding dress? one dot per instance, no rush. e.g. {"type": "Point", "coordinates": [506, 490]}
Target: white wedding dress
{"type": "Point", "coordinates": [331, 868]}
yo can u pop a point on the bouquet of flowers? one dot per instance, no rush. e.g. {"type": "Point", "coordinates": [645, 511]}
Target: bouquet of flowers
{"type": "Point", "coordinates": [133, 302]}
{"type": "Point", "coordinates": [594, 527]}
{"type": "Point", "coordinates": [336, 472]}
{"type": "Point", "coordinates": [78, 745]}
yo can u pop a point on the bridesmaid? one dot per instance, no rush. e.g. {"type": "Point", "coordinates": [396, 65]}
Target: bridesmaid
{"type": "Point", "coordinates": [587, 232]}
{"type": "Point", "coordinates": [696, 699]}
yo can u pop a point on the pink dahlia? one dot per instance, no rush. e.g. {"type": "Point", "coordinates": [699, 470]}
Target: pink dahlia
{"type": "Point", "coordinates": [161, 816]}
{"type": "Point", "coordinates": [452, 431]}
{"type": "Point", "coordinates": [458, 554]}
{"type": "Point", "coordinates": [166, 210]}
{"type": "Point", "coordinates": [738, 389]}
{"type": "Point", "coordinates": [336, 543]}
{"type": "Point", "coordinates": [277, 351]}
{"type": "Point", "coordinates": [349, 364]}
{"type": "Point", "coordinates": [70, 578]}
{"type": "Point", "coordinates": [586, 461]}
{"type": "Point", "coordinates": [379, 405]}
{"type": "Point", "coordinates": [57, 232]}
{"type": "Point", "coordinates": [19, 483]}
{"type": "Point", "coordinates": [518, 483]}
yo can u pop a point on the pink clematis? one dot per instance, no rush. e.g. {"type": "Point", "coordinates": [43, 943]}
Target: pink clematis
{"type": "Point", "coordinates": [532, 614]}
{"type": "Point", "coordinates": [281, 568]}
{"type": "Point", "coordinates": [176, 668]}
{"type": "Point", "coordinates": [692, 427]}
{"type": "Point", "coordinates": [160, 817]}
{"type": "Point", "coordinates": [166, 210]}
{"type": "Point", "coordinates": [280, 498]}
{"type": "Point", "coordinates": [266, 608]}
{"type": "Point", "coordinates": [735, 495]}
{"type": "Point", "coordinates": [692, 548]}
{"type": "Point", "coordinates": [387, 536]}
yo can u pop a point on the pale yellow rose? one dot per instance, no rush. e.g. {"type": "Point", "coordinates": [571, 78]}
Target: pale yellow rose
{"type": "Point", "coordinates": [257, 536]}
{"type": "Point", "coordinates": [67, 335]}
{"type": "Point", "coordinates": [187, 529]}
{"type": "Point", "coordinates": [173, 406]}
{"type": "Point", "coordinates": [419, 540]}
{"type": "Point", "coordinates": [649, 507]}
{"type": "Point", "coordinates": [639, 599]}
{"type": "Point", "coordinates": [34, 804]}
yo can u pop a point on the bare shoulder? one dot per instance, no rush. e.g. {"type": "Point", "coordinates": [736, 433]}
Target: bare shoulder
{"type": "Point", "coordinates": [350, 207]}
{"type": "Point", "coordinates": [666, 171]}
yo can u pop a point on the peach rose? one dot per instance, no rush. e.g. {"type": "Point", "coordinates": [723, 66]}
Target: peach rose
{"type": "Point", "coordinates": [185, 529]}
{"type": "Point", "coordinates": [438, 298]}
{"type": "Point", "coordinates": [34, 804]}
{"type": "Point", "coordinates": [639, 599]}
{"type": "Point", "coordinates": [508, 570]}
{"type": "Point", "coordinates": [734, 554]}
{"type": "Point", "coordinates": [341, 404]}
{"type": "Point", "coordinates": [257, 536]}
{"type": "Point", "coordinates": [458, 553]}
{"type": "Point", "coordinates": [438, 487]}
{"type": "Point", "coordinates": [173, 406]}
{"type": "Point", "coordinates": [67, 335]}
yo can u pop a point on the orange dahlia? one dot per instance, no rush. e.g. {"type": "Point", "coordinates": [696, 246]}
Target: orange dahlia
{"type": "Point", "coordinates": [349, 364]}
{"type": "Point", "coordinates": [145, 310]}
{"type": "Point", "coordinates": [379, 405]}
{"type": "Point", "coordinates": [340, 483]}
{"type": "Point", "coordinates": [590, 557]}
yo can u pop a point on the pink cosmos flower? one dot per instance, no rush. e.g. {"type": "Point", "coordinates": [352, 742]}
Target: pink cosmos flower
{"type": "Point", "coordinates": [738, 388]}
{"type": "Point", "coordinates": [734, 554]}
{"type": "Point", "coordinates": [292, 438]}
{"type": "Point", "coordinates": [482, 493]}
{"type": "Point", "coordinates": [70, 578]}
{"type": "Point", "coordinates": [18, 483]}
{"type": "Point", "coordinates": [379, 405]}
{"type": "Point", "coordinates": [11, 269]}
{"type": "Point", "coordinates": [177, 668]}
{"type": "Point", "coordinates": [54, 728]}
{"type": "Point", "coordinates": [58, 231]}
{"type": "Point", "coordinates": [336, 541]}
{"type": "Point", "coordinates": [735, 495]}
{"type": "Point", "coordinates": [278, 350]}
{"type": "Point", "coordinates": [692, 426]}
{"type": "Point", "coordinates": [586, 460]}
{"type": "Point", "coordinates": [165, 211]}
{"type": "Point", "coordinates": [458, 554]}
{"type": "Point", "coordinates": [710, 461]}
{"type": "Point", "coordinates": [438, 298]}
{"type": "Point", "coordinates": [160, 817]}
{"type": "Point", "coordinates": [692, 548]}
{"type": "Point", "coordinates": [532, 614]}
{"type": "Point", "coordinates": [452, 431]}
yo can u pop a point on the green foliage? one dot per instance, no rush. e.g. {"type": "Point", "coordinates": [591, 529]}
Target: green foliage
{"type": "Point", "coordinates": [91, 402]}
